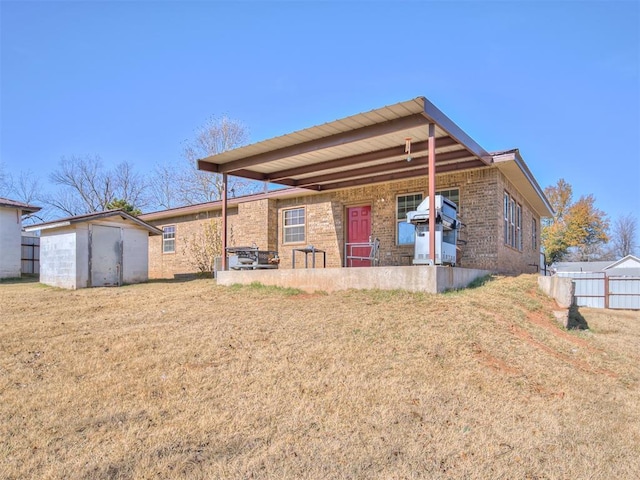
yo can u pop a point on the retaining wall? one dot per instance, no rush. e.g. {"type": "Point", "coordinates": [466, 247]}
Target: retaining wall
{"type": "Point", "coordinates": [412, 278]}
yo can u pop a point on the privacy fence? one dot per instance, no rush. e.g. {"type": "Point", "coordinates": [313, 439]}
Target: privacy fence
{"type": "Point", "coordinates": [30, 255]}
{"type": "Point", "coordinates": [597, 290]}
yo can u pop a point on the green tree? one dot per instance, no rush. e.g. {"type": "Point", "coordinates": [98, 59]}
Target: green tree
{"type": "Point", "coordinates": [121, 204]}
{"type": "Point", "coordinates": [579, 225]}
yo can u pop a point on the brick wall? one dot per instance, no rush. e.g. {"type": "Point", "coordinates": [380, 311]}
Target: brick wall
{"type": "Point", "coordinates": [511, 260]}
{"type": "Point", "coordinates": [260, 222]}
{"type": "Point", "coordinates": [167, 265]}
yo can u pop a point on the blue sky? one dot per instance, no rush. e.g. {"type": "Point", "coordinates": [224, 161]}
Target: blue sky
{"type": "Point", "coordinates": [133, 80]}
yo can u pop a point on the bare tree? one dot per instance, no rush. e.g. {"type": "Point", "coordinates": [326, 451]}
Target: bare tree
{"type": "Point", "coordinates": [164, 186]}
{"type": "Point", "coordinates": [204, 245]}
{"type": "Point", "coordinates": [130, 186]}
{"type": "Point", "coordinates": [24, 187]}
{"type": "Point", "coordinates": [624, 235]}
{"type": "Point", "coordinates": [5, 181]}
{"type": "Point", "coordinates": [214, 137]}
{"type": "Point", "coordinates": [86, 187]}
{"type": "Point", "coordinates": [27, 187]}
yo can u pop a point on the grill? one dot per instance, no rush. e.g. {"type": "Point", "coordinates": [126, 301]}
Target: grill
{"type": "Point", "coordinates": [251, 258]}
{"type": "Point", "coordinates": [446, 229]}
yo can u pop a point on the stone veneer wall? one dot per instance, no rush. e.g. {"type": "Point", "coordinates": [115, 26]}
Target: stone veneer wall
{"type": "Point", "coordinates": [480, 210]}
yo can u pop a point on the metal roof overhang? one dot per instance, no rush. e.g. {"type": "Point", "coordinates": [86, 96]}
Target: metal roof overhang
{"type": "Point", "coordinates": [358, 150]}
{"type": "Point", "coordinates": [513, 167]}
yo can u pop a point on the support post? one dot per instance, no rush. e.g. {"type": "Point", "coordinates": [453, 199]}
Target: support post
{"type": "Point", "coordinates": [224, 221]}
{"type": "Point", "coordinates": [432, 193]}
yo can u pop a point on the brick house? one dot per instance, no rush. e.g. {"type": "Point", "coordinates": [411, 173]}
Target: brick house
{"type": "Point", "coordinates": [374, 166]}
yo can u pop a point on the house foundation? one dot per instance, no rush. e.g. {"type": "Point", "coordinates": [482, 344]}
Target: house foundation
{"type": "Point", "coordinates": [423, 278]}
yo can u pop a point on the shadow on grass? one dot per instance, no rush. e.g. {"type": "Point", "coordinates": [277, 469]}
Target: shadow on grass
{"type": "Point", "coordinates": [480, 281]}
{"type": "Point", "coordinates": [182, 278]}
{"type": "Point", "coordinates": [23, 279]}
{"type": "Point", "coordinates": [576, 321]}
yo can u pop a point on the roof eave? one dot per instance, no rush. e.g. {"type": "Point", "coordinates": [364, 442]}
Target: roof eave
{"type": "Point", "coordinates": [435, 115]}
{"type": "Point", "coordinates": [535, 194]}
{"type": "Point", "coordinates": [93, 216]}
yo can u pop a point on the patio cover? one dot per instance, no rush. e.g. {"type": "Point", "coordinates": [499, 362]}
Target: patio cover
{"type": "Point", "coordinates": [358, 150]}
{"type": "Point", "coordinates": [404, 140]}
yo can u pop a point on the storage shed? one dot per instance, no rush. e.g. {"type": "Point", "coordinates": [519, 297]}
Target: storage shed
{"type": "Point", "coordinates": [11, 213]}
{"type": "Point", "coordinates": [94, 250]}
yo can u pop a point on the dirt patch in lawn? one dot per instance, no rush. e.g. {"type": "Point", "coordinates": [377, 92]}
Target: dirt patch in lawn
{"type": "Point", "coordinates": [192, 380]}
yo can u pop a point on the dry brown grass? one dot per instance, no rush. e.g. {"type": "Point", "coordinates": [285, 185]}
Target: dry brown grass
{"type": "Point", "coordinates": [192, 380]}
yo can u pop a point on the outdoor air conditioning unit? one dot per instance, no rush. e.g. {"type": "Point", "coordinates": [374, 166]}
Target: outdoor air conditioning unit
{"type": "Point", "coordinates": [446, 229]}
{"type": "Point", "coordinates": [217, 266]}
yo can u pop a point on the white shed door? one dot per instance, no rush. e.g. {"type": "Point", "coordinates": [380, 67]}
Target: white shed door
{"type": "Point", "coordinates": [106, 256]}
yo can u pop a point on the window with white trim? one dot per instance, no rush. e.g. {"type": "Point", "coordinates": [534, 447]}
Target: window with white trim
{"type": "Point", "coordinates": [169, 239]}
{"type": "Point", "coordinates": [405, 204]}
{"type": "Point", "coordinates": [408, 203]}
{"type": "Point", "coordinates": [512, 213]}
{"type": "Point", "coordinates": [507, 238]}
{"type": "Point", "coordinates": [519, 226]}
{"type": "Point", "coordinates": [534, 234]}
{"type": "Point", "coordinates": [293, 225]}
{"type": "Point", "coordinates": [452, 194]}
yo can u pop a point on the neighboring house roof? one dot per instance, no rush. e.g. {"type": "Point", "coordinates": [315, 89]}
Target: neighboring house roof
{"type": "Point", "coordinates": [370, 148]}
{"type": "Point", "coordinates": [630, 261]}
{"type": "Point", "coordinates": [65, 222]}
{"type": "Point", "coordinates": [625, 266]}
{"type": "Point", "coordinates": [623, 272]}
{"type": "Point", "coordinates": [25, 207]}
{"type": "Point", "coordinates": [580, 266]}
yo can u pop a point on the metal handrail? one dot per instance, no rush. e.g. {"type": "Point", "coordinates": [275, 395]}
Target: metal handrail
{"type": "Point", "coordinates": [373, 256]}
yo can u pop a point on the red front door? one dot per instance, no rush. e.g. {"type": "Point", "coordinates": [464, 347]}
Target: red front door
{"type": "Point", "coordinates": [359, 231]}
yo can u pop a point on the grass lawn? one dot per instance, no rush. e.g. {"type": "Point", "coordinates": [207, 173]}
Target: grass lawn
{"type": "Point", "coordinates": [193, 380]}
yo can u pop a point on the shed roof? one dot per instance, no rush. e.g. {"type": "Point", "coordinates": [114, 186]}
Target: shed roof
{"type": "Point", "coordinates": [369, 148]}
{"type": "Point", "coordinates": [25, 207]}
{"type": "Point", "coordinates": [65, 222]}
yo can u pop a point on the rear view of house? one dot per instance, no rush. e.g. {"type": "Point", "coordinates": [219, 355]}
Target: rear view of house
{"type": "Point", "coordinates": [356, 179]}
{"type": "Point", "coordinates": [11, 213]}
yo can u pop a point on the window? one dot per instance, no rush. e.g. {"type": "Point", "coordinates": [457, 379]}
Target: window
{"type": "Point", "coordinates": [519, 227]}
{"type": "Point", "coordinates": [534, 234]}
{"type": "Point", "coordinates": [512, 213]}
{"type": "Point", "coordinates": [512, 223]}
{"type": "Point", "coordinates": [408, 203]}
{"type": "Point", "coordinates": [169, 239]}
{"type": "Point", "coordinates": [405, 204]}
{"type": "Point", "coordinates": [293, 225]}
{"type": "Point", "coordinates": [507, 239]}
{"type": "Point", "coordinates": [453, 195]}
